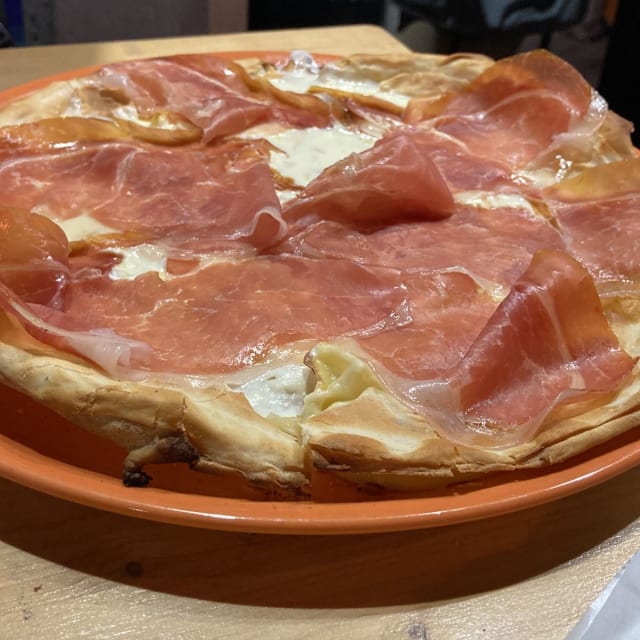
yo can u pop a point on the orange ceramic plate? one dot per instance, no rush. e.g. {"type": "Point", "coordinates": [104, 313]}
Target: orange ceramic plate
{"type": "Point", "coordinates": [40, 450]}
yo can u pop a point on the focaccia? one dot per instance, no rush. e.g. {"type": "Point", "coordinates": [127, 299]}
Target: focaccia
{"type": "Point", "coordinates": [404, 271]}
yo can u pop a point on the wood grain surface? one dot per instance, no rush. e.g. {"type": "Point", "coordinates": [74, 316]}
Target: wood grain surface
{"type": "Point", "coordinates": [68, 571]}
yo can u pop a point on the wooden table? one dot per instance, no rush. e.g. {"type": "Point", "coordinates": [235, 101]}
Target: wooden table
{"type": "Point", "coordinates": [20, 65]}
{"type": "Point", "coordinates": [68, 571]}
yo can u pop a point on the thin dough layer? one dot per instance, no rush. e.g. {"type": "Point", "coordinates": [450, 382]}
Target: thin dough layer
{"type": "Point", "coordinates": [351, 426]}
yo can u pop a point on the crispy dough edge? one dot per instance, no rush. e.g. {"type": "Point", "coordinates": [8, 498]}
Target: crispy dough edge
{"type": "Point", "coordinates": [375, 440]}
{"type": "Point", "coordinates": [214, 429]}
{"type": "Point", "coordinates": [372, 439]}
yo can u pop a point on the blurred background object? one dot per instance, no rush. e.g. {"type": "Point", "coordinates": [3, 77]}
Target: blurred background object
{"type": "Point", "coordinates": [34, 22]}
{"type": "Point", "coordinates": [78, 20]}
{"type": "Point", "coordinates": [618, 83]}
{"type": "Point", "coordinates": [285, 14]}
{"type": "Point", "coordinates": [480, 23]}
{"type": "Point", "coordinates": [29, 22]}
{"type": "Point", "coordinates": [5, 37]}
{"type": "Point", "coordinates": [574, 29]}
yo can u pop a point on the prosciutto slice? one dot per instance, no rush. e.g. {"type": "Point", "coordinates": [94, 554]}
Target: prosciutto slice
{"type": "Point", "coordinates": [462, 169]}
{"type": "Point", "coordinates": [517, 109]}
{"type": "Point", "coordinates": [219, 318]}
{"type": "Point", "coordinates": [194, 200]}
{"type": "Point", "coordinates": [207, 90]}
{"type": "Point", "coordinates": [493, 245]}
{"type": "Point", "coordinates": [50, 133]}
{"type": "Point", "coordinates": [597, 213]}
{"type": "Point", "coordinates": [33, 257]}
{"type": "Point", "coordinates": [392, 181]}
{"type": "Point", "coordinates": [547, 345]}
{"type": "Point", "coordinates": [447, 310]}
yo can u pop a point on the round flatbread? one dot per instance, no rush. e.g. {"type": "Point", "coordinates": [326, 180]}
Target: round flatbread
{"type": "Point", "coordinates": [405, 271]}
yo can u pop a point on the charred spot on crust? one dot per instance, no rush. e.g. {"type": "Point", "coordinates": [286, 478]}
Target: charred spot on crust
{"type": "Point", "coordinates": [170, 449]}
{"type": "Point", "coordinates": [135, 478]}
{"type": "Point", "coordinates": [177, 449]}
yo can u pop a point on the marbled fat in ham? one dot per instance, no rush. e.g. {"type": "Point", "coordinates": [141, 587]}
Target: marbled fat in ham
{"type": "Point", "coordinates": [224, 316]}
{"type": "Point", "coordinates": [493, 245]}
{"type": "Point", "coordinates": [517, 110]}
{"type": "Point", "coordinates": [447, 311]}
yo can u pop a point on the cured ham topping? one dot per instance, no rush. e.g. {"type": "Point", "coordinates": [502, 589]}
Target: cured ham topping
{"type": "Point", "coordinates": [515, 110]}
{"type": "Point", "coordinates": [34, 262]}
{"type": "Point", "coordinates": [526, 73]}
{"type": "Point", "coordinates": [461, 169]}
{"type": "Point", "coordinates": [226, 316]}
{"type": "Point", "coordinates": [448, 310]}
{"type": "Point", "coordinates": [493, 245]}
{"type": "Point", "coordinates": [191, 199]}
{"type": "Point", "coordinates": [54, 132]}
{"type": "Point", "coordinates": [392, 181]}
{"type": "Point", "coordinates": [598, 214]}
{"type": "Point", "coordinates": [547, 345]}
{"type": "Point", "coordinates": [104, 347]}
{"type": "Point", "coordinates": [209, 91]}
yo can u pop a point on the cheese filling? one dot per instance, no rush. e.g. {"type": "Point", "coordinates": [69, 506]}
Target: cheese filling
{"type": "Point", "coordinates": [280, 391]}
{"type": "Point", "coordinates": [80, 227]}
{"type": "Point", "coordinates": [138, 260]}
{"type": "Point", "coordinates": [305, 74]}
{"type": "Point", "coordinates": [489, 200]}
{"type": "Point", "coordinates": [305, 153]}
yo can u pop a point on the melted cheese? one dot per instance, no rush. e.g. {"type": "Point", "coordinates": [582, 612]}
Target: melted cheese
{"type": "Point", "coordinates": [341, 377]}
{"type": "Point", "coordinates": [364, 88]}
{"type": "Point", "coordinates": [138, 260]}
{"type": "Point", "coordinates": [160, 120]}
{"type": "Point", "coordinates": [280, 391]}
{"type": "Point", "coordinates": [305, 73]}
{"type": "Point", "coordinates": [127, 112]}
{"type": "Point", "coordinates": [304, 153]}
{"type": "Point", "coordinates": [489, 200]}
{"type": "Point", "coordinates": [82, 227]}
